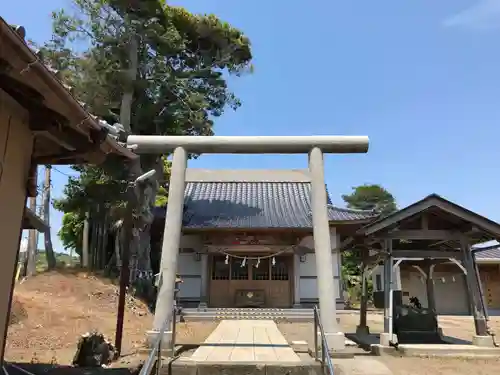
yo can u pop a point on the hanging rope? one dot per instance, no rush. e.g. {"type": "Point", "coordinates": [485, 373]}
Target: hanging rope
{"type": "Point", "coordinates": [257, 258]}
{"type": "Point", "coordinates": [453, 278]}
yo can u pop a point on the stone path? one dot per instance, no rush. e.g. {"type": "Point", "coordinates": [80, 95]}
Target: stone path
{"type": "Point", "coordinates": [245, 341]}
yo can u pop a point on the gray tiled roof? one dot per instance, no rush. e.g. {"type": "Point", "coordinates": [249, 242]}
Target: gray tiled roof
{"type": "Point", "coordinates": [489, 254]}
{"type": "Point", "coordinates": [248, 205]}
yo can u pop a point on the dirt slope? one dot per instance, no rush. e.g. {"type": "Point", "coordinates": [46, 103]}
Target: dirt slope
{"type": "Point", "coordinates": [51, 310]}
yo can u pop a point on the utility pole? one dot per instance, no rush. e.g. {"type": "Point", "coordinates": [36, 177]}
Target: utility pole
{"type": "Point", "coordinates": [85, 242]}
{"type": "Point", "coordinates": [30, 264]}
{"type": "Point", "coordinates": [49, 250]}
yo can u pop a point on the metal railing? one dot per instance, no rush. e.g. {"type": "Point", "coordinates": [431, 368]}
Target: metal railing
{"type": "Point", "coordinates": [154, 357]}
{"type": "Point", "coordinates": [326, 361]}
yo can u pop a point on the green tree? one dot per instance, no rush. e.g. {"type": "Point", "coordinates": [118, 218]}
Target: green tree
{"type": "Point", "coordinates": [71, 232]}
{"type": "Point", "coordinates": [371, 197]}
{"type": "Point", "coordinates": [178, 87]}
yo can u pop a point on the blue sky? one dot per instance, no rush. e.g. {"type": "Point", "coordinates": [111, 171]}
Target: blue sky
{"type": "Point", "coordinates": [420, 78]}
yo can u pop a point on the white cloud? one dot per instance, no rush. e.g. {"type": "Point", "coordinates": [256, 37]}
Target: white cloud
{"type": "Point", "coordinates": [484, 15]}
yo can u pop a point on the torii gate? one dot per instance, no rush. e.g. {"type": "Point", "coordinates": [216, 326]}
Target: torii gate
{"type": "Point", "coordinates": [315, 146]}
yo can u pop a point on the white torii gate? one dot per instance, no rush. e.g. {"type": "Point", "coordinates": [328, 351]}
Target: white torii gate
{"type": "Point", "coordinates": [315, 146]}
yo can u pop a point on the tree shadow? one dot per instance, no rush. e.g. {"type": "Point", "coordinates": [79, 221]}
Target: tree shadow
{"type": "Point", "coordinates": [213, 213]}
{"type": "Point", "coordinates": [223, 213]}
{"type": "Point", "coordinates": [202, 213]}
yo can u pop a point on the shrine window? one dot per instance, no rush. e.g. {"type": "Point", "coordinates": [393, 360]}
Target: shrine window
{"type": "Point", "coordinates": [260, 269]}
{"type": "Point", "coordinates": [280, 270]}
{"type": "Point", "coordinates": [239, 270]}
{"type": "Point", "coordinates": [220, 270]}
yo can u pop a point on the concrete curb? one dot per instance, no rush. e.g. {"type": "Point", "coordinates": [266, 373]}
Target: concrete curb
{"type": "Point", "coordinates": [183, 367]}
{"type": "Point", "coordinates": [449, 351]}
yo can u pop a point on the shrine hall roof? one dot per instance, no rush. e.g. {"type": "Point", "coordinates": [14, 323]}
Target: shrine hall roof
{"type": "Point", "coordinates": [488, 255]}
{"type": "Point", "coordinates": [251, 199]}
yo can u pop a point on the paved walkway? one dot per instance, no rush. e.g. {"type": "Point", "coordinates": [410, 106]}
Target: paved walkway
{"type": "Point", "coordinates": [245, 341]}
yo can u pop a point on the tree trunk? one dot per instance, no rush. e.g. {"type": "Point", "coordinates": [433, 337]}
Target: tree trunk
{"type": "Point", "coordinates": [93, 239]}
{"type": "Point", "coordinates": [141, 243]}
{"type": "Point", "coordinates": [140, 246]}
{"type": "Point", "coordinates": [140, 260]}
{"type": "Point", "coordinates": [49, 250]}
{"type": "Point", "coordinates": [104, 261]}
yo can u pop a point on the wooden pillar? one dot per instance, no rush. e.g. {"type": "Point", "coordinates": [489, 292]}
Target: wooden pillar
{"type": "Point", "coordinates": [204, 281]}
{"type": "Point", "coordinates": [481, 290]}
{"type": "Point", "coordinates": [387, 337]}
{"type": "Point", "coordinates": [363, 328]}
{"type": "Point", "coordinates": [296, 279]}
{"type": "Point", "coordinates": [473, 289]}
{"type": "Point", "coordinates": [388, 287]}
{"type": "Point", "coordinates": [429, 284]}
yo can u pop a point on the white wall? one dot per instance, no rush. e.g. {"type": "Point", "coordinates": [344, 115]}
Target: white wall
{"type": "Point", "coordinates": [378, 273]}
{"type": "Point", "coordinates": [308, 284]}
{"type": "Point", "coordinates": [189, 268]}
{"type": "Point", "coordinates": [451, 296]}
{"type": "Point", "coordinates": [413, 283]}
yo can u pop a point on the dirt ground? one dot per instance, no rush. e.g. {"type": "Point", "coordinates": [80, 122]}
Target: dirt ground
{"type": "Point", "coordinates": [51, 310]}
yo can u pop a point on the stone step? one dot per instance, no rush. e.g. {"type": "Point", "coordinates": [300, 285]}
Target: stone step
{"type": "Point", "coordinates": [289, 314]}
{"type": "Point", "coordinates": [250, 313]}
{"type": "Point", "coordinates": [246, 317]}
{"type": "Point", "coordinates": [186, 367]}
{"type": "Point", "coordinates": [301, 311]}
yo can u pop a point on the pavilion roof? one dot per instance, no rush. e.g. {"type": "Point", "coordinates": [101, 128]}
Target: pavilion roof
{"type": "Point", "coordinates": [440, 214]}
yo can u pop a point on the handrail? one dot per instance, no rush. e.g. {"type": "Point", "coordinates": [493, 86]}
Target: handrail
{"type": "Point", "coordinates": [325, 350]}
{"type": "Point", "coordinates": [154, 356]}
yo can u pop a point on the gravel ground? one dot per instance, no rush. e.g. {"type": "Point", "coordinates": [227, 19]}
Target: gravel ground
{"type": "Point", "coordinates": [461, 327]}
{"type": "Point", "coordinates": [441, 366]}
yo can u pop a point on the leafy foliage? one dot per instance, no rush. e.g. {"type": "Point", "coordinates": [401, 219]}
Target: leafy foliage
{"type": "Point", "coordinates": [180, 87]}
{"type": "Point", "coordinates": [364, 197]}
{"type": "Point", "coordinates": [71, 232]}
{"type": "Point", "coordinates": [371, 197]}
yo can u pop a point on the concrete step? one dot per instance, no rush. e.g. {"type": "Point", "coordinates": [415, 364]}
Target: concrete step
{"type": "Point", "coordinates": [251, 313]}
{"type": "Point", "coordinates": [186, 367]}
{"type": "Point", "coordinates": [299, 315]}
